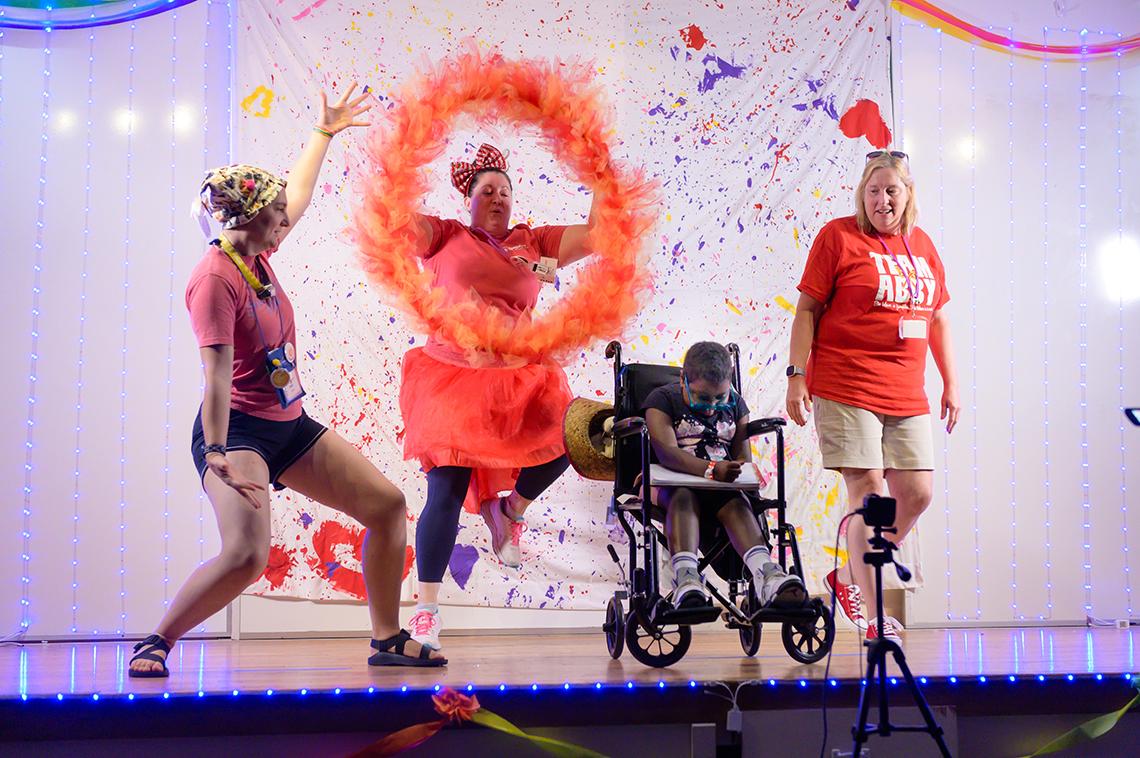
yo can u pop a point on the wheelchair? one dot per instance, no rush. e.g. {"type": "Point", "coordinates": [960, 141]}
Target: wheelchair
{"type": "Point", "coordinates": [656, 633]}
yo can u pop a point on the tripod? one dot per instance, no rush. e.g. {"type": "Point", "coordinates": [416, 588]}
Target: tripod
{"type": "Point", "coordinates": [878, 648]}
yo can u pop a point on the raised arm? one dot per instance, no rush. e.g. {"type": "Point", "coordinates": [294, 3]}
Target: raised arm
{"type": "Point", "coordinates": [331, 120]}
{"type": "Point", "coordinates": [573, 247]}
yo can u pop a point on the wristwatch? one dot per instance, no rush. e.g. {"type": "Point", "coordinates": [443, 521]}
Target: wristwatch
{"type": "Point", "coordinates": [794, 371]}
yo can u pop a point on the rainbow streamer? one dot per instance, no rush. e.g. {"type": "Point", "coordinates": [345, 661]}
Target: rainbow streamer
{"type": "Point", "coordinates": [935, 17]}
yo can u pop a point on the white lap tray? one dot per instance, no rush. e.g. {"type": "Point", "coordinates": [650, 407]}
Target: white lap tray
{"type": "Point", "coordinates": [749, 479]}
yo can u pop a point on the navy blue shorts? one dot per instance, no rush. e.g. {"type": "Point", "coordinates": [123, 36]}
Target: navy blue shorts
{"type": "Point", "coordinates": [279, 443]}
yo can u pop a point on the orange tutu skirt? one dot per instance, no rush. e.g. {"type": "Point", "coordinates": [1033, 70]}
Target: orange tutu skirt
{"type": "Point", "coordinates": [495, 421]}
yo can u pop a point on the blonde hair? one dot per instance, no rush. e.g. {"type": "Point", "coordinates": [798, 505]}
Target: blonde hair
{"type": "Point", "coordinates": [910, 213]}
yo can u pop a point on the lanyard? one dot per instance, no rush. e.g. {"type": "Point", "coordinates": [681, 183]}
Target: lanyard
{"type": "Point", "coordinates": [262, 290]}
{"type": "Point", "coordinates": [912, 287]}
{"type": "Point", "coordinates": [487, 237]}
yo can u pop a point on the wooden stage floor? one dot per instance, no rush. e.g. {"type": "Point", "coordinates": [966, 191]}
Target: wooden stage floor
{"type": "Point", "coordinates": [547, 660]}
{"type": "Point", "coordinates": [318, 697]}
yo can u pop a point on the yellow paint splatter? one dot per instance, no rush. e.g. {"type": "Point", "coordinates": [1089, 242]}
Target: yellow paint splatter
{"type": "Point", "coordinates": [754, 371]}
{"type": "Point", "coordinates": [816, 193]}
{"type": "Point", "coordinates": [796, 236]}
{"type": "Point", "coordinates": [783, 303]}
{"type": "Point", "coordinates": [733, 308]}
{"type": "Point", "coordinates": [266, 96]}
{"type": "Point", "coordinates": [832, 498]}
{"type": "Point", "coordinates": [645, 339]}
{"type": "Point", "coordinates": [841, 553]}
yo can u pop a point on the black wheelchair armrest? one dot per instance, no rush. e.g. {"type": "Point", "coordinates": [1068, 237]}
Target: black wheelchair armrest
{"type": "Point", "coordinates": [628, 427]}
{"type": "Point", "coordinates": [765, 425]}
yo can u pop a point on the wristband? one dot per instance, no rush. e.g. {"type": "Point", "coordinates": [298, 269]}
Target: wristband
{"type": "Point", "coordinates": [207, 449]}
{"type": "Point", "coordinates": [325, 132]}
{"type": "Point", "coordinates": [709, 470]}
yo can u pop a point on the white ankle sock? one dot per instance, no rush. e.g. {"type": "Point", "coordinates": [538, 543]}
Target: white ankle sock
{"type": "Point", "coordinates": [756, 558]}
{"type": "Point", "coordinates": [432, 607]}
{"type": "Point", "coordinates": [684, 560]}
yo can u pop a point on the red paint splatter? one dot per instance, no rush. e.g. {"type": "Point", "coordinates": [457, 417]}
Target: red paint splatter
{"type": "Point", "coordinates": [409, 559]}
{"type": "Point", "coordinates": [328, 538]}
{"type": "Point", "coordinates": [278, 566]}
{"type": "Point", "coordinates": [863, 120]}
{"type": "Point", "coordinates": [693, 36]}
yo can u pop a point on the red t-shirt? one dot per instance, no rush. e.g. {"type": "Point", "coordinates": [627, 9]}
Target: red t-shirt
{"type": "Point", "coordinates": [464, 263]}
{"type": "Point", "coordinates": [219, 300]}
{"type": "Point", "coordinates": [857, 356]}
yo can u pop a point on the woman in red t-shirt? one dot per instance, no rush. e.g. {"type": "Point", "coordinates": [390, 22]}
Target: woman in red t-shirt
{"type": "Point", "coordinates": [479, 429]}
{"type": "Point", "coordinates": [251, 431]}
{"type": "Point", "coordinates": [870, 305]}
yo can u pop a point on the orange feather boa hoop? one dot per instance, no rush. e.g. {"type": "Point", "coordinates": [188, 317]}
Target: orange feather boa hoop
{"type": "Point", "coordinates": [568, 109]}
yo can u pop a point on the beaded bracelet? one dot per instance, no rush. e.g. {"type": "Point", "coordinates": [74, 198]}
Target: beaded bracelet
{"type": "Point", "coordinates": [325, 132]}
{"type": "Point", "coordinates": [207, 449]}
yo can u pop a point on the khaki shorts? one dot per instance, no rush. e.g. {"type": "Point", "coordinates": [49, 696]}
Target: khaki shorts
{"type": "Point", "coordinates": [851, 437]}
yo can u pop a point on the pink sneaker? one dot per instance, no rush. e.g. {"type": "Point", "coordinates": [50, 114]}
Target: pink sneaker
{"type": "Point", "coordinates": [424, 626]}
{"type": "Point", "coordinates": [890, 628]}
{"type": "Point", "coordinates": [850, 599]}
{"type": "Point", "coordinates": [506, 532]}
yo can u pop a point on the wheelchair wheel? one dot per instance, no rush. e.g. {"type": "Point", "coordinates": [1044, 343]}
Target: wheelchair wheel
{"type": "Point", "coordinates": [749, 635]}
{"type": "Point", "coordinates": [810, 642]}
{"type": "Point", "coordinates": [614, 628]}
{"type": "Point", "coordinates": [658, 647]}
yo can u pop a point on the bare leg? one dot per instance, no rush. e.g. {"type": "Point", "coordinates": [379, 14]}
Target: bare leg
{"type": "Point", "coordinates": [860, 483]}
{"type": "Point", "coordinates": [245, 549]}
{"type": "Point", "coordinates": [743, 529]}
{"type": "Point", "coordinates": [912, 491]}
{"type": "Point", "coordinates": [335, 474]}
{"type": "Point", "coordinates": [682, 522]}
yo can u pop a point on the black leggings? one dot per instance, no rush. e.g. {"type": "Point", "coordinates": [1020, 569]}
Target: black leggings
{"type": "Point", "coordinates": [439, 523]}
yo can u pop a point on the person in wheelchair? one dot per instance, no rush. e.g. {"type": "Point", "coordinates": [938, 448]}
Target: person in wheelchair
{"type": "Point", "coordinates": [698, 426]}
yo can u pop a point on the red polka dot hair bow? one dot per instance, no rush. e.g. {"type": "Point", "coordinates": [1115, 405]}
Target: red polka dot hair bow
{"type": "Point", "coordinates": [463, 172]}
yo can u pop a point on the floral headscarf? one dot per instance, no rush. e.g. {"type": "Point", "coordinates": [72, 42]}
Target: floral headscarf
{"type": "Point", "coordinates": [233, 195]}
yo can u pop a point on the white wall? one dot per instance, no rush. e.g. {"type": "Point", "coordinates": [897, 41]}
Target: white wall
{"type": "Point", "coordinates": [101, 380]}
{"type": "Point", "coordinates": [1030, 519]}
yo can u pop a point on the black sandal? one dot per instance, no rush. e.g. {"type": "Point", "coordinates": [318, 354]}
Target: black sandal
{"type": "Point", "coordinates": [384, 657]}
{"type": "Point", "coordinates": [145, 651]}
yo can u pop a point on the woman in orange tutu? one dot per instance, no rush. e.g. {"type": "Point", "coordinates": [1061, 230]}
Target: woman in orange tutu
{"type": "Point", "coordinates": [482, 429]}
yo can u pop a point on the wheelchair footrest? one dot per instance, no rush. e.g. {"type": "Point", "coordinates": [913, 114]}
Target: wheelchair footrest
{"type": "Point", "coordinates": [687, 616]}
{"type": "Point", "coordinates": [804, 615]}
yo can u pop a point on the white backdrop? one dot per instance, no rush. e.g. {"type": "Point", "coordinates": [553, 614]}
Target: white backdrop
{"type": "Point", "coordinates": [735, 111]}
{"type": "Point", "coordinates": [102, 378]}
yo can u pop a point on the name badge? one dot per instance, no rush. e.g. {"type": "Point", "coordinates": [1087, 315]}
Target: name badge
{"type": "Point", "coordinates": [281, 363]}
{"type": "Point", "coordinates": [545, 268]}
{"type": "Point", "coordinates": [912, 328]}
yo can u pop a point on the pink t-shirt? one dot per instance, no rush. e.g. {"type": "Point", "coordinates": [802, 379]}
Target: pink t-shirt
{"type": "Point", "coordinates": [219, 301]}
{"type": "Point", "coordinates": [464, 262]}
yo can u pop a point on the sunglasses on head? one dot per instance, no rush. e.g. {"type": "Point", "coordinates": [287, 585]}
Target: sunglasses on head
{"type": "Point", "coordinates": [893, 153]}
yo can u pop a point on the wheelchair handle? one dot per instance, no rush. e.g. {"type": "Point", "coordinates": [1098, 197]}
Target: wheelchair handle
{"type": "Point", "coordinates": [760, 426]}
{"type": "Point", "coordinates": [613, 350]}
{"type": "Point", "coordinates": [629, 427]}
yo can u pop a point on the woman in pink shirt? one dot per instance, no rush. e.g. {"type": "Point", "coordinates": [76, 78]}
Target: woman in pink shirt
{"type": "Point", "coordinates": [493, 425]}
{"type": "Point", "coordinates": [251, 430]}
